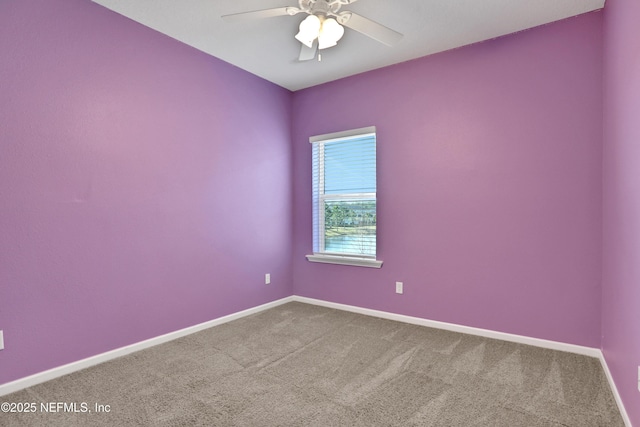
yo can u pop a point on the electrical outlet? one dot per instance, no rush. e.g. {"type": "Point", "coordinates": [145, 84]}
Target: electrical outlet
{"type": "Point", "coordinates": [267, 279]}
{"type": "Point", "coordinates": [1, 340]}
{"type": "Point", "coordinates": [399, 288]}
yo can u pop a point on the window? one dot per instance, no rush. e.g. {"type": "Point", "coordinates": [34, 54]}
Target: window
{"type": "Point", "coordinates": [344, 198]}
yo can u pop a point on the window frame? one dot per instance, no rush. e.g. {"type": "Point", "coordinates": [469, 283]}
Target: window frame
{"type": "Point", "coordinates": [322, 256]}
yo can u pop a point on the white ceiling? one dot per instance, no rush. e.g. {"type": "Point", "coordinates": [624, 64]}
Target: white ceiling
{"type": "Point", "coordinates": [268, 49]}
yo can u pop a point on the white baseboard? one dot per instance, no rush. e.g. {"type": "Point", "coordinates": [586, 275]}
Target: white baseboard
{"type": "Point", "coordinates": [553, 345]}
{"type": "Point", "coordinates": [614, 390]}
{"type": "Point", "coordinates": [50, 374]}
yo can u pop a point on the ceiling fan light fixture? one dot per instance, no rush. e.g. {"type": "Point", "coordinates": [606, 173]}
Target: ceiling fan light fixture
{"type": "Point", "coordinates": [330, 33]}
{"type": "Point", "coordinates": [309, 30]}
{"type": "Point", "coordinates": [324, 24]}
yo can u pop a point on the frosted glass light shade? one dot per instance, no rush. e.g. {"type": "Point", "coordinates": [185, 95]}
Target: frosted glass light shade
{"type": "Point", "coordinates": [309, 30]}
{"type": "Point", "coordinates": [330, 33]}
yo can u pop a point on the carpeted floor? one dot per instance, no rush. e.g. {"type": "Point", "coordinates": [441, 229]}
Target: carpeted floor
{"type": "Point", "coordinates": [303, 365]}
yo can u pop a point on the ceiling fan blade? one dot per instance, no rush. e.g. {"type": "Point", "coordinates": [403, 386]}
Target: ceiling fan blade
{"type": "Point", "coordinates": [259, 14]}
{"type": "Point", "coordinates": [308, 53]}
{"type": "Point", "coordinates": [369, 28]}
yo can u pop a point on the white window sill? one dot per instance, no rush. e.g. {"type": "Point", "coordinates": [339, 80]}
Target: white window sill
{"type": "Point", "coordinates": [345, 260]}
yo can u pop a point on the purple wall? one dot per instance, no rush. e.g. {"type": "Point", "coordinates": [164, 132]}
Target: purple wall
{"type": "Point", "coordinates": [489, 184]}
{"type": "Point", "coordinates": [144, 186]}
{"type": "Point", "coordinates": [621, 172]}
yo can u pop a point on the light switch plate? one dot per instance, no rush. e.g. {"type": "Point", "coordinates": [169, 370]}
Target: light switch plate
{"type": "Point", "coordinates": [399, 287]}
{"type": "Point", "coordinates": [1, 340]}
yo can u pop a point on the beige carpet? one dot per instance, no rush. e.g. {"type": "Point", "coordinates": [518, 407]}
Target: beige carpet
{"type": "Point", "coordinates": [302, 365]}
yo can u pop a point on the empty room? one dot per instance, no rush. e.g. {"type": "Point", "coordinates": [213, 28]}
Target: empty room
{"type": "Point", "coordinates": [320, 213]}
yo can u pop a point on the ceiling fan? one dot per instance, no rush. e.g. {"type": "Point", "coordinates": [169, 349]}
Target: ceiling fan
{"type": "Point", "coordinates": [324, 25]}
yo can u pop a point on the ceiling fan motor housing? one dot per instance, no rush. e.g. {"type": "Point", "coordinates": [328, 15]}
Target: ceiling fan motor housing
{"type": "Point", "coordinates": [323, 7]}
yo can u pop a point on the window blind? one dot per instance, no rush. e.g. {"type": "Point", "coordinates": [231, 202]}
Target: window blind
{"type": "Point", "coordinates": [344, 193]}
